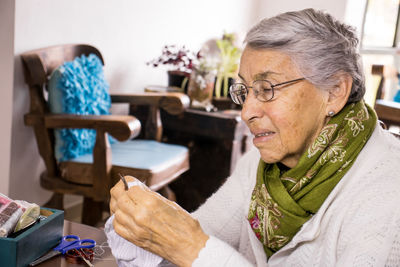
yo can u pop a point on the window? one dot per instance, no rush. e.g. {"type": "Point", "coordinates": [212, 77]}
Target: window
{"type": "Point", "coordinates": [380, 23]}
{"type": "Point", "coordinates": [377, 22]}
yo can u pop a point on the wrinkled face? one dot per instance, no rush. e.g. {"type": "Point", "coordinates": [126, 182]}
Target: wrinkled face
{"type": "Point", "coordinates": [284, 127]}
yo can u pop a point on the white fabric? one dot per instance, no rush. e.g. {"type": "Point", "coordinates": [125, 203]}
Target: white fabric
{"type": "Point", "coordinates": [125, 252]}
{"type": "Point", "coordinates": [357, 225]}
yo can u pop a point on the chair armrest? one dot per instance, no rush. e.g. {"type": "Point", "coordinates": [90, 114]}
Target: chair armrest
{"type": "Point", "coordinates": [388, 110]}
{"type": "Point", "coordinates": [173, 103]}
{"type": "Point", "coordinates": [121, 127]}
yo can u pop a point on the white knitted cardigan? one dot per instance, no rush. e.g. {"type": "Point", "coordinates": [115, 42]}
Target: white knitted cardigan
{"type": "Point", "coordinates": [357, 225]}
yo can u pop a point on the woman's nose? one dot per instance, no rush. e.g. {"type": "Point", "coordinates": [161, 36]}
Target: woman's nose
{"type": "Point", "coordinates": [252, 108]}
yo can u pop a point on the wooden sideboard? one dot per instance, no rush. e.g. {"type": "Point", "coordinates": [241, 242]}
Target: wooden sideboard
{"type": "Point", "coordinates": [216, 140]}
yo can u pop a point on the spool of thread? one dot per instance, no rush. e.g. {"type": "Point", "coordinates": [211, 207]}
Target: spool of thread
{"type": "Point", "coordinates": [75, 256]}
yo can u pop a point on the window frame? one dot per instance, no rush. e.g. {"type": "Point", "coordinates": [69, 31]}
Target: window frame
{"type": "Point", "coordinates": [380, 49]}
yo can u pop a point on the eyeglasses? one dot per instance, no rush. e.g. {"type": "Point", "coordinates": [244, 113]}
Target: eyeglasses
{"type": "Point", "coordinates": [263, 90]}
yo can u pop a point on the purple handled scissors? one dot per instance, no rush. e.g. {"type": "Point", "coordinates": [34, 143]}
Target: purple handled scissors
{"type": "Point", "coordinates": [68, 242]}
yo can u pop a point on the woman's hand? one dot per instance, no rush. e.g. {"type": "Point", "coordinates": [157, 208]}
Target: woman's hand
{"type": "Point", "coordinates": [154, 223]}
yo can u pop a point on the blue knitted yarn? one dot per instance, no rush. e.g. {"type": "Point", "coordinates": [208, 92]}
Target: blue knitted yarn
{"type": "Point", "coordinates": [397, 96]}
{"type": "Point", "coordinates": [78, 87]}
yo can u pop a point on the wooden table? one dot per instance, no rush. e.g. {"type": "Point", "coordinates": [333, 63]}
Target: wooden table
{"type": "Point", "coordinates": [216, 140]}
{"type": "Point", "coordinates": [103, 256]}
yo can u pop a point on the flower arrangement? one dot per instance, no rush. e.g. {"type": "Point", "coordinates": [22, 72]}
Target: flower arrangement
{"type": "Point", "coordinates": [202, 73]}
{"type": "Point", "coordinates": [180, 62]}
{"type": "Point", "coordinates": [177, 58]}
{"type": "Point", "coordinates": [229, 63]}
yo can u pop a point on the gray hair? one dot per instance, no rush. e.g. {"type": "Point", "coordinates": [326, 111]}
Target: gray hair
{"type": "Point", "coordinates": [322, 47]}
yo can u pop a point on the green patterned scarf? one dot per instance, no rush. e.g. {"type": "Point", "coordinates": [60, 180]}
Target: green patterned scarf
{"type": "Point", "coordinates": [282, 201]}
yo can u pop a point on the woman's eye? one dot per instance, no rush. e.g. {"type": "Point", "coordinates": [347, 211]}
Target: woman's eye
{"type": "Point", "coordinates": [266, 89]}
{"type": "Point", "coordinates": [241, 91]}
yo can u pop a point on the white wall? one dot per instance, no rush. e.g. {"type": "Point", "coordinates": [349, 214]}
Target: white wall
{"type": "Point", "coordinates": [127, 32]}
{"type": "Point", "coordinates": [270, 8]}
{"type": "Point", "coordinates": [6, 85]}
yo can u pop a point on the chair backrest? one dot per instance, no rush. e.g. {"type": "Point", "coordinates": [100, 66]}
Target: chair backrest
{"type": "Point", "coordinates": [378, 70]}
{"type": "Point", "coordinates": [38, 66]}
{"type": "Point", "coordinates": [40, 63]}
{"type": "Point", "coordinates": [388, 111]}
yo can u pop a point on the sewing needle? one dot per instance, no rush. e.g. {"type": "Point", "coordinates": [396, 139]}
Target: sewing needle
{"type": "Point", "coordinates": [125, 182]}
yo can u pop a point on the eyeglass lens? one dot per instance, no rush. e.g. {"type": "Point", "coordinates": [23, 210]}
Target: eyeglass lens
{"type": "Point", "coordinates": [238, 93]}
{"type": "Point", "coordinates": [262, 90]}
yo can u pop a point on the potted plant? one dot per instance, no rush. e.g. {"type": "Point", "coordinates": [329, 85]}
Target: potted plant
{"type": "Point", "coordinates": [180, 61]}
{"type": "Point", "coordinates": [228, 66]}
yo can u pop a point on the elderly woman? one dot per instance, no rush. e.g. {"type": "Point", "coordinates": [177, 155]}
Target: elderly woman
{"type": "Point", "coordinates": [322, 186]}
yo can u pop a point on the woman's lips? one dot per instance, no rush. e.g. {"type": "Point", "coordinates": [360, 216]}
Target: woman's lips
{"type": "Point", "coordinates": [262, 137]}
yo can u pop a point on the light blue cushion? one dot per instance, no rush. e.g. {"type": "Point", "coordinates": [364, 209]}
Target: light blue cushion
{"type": "Point", "coordinates": [141, 154]}
{"type": "Point", "coordinates": [78, 87]}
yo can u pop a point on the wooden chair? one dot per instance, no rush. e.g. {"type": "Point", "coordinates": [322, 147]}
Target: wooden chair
{"type": "Point", "coordinates": [388, 111]}
{"type": "Point", "coordinates": [94, 178]}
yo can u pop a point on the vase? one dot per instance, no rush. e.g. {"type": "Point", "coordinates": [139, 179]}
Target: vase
{"type": "Point", "coordinates": [200, 91]}
{"type": "Point", "coordinates": [179, 79]}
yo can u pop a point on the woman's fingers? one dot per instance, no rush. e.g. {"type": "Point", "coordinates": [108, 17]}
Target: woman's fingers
{"type": "Point", "coordinates": [130, 222]}
{"type": "Point", "coordinates": [126, 228]}
{"type": "Point", "coordinates": [117, 191]}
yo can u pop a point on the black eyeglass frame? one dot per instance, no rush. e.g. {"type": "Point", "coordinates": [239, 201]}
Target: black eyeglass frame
{"type": "Point", "coordinates": [246, 87]}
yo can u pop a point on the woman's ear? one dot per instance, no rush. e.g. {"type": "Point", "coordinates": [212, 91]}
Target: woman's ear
{"type": "Point", "coordinates": [339, 94]}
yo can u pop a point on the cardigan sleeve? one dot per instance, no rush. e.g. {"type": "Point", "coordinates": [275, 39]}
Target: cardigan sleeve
{"type": "Point", "coordinates": [221, 216]}
{"type": "Point", "coordinates": [219, 253]}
